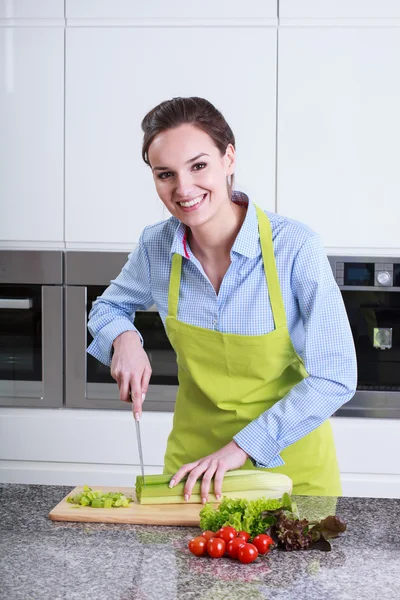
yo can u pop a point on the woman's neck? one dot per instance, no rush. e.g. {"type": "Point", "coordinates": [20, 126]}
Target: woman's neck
{"type": "Point", "coordinates": [214, 240]}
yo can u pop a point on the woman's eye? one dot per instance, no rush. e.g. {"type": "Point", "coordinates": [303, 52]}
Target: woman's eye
{"type": "Point", "coordinates": [165, 175]}
{"type": "Point", "coordinates": [168, 174]}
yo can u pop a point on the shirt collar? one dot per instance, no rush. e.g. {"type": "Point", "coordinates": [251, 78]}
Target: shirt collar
{"type": "Point", "coordinates": [247, 241]}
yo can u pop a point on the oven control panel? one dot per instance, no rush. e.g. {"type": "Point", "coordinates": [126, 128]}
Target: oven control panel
{"type": "Point", "coordinates": [359, 272]}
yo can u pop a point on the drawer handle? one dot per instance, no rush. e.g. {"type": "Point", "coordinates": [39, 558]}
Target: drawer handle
{"type": "Point", "coordinates": [16, 303]}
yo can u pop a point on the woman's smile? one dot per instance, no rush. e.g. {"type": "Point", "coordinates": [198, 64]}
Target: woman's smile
{"type": "Point", "coordinates": [194, 204]}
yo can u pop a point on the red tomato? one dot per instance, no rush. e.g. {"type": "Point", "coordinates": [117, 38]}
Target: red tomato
{"type": "Point", "coordinates": [247, 553]}
{"type": "Point", "coordinates": [226, 533]}
{"type": "Point", "coordinates": [216, 547]}
{"type": "Point", "coordinates": [263, 542]}
{"type": "Point", "coordinates": [233, 546]}
{"type": "Point", "coordinates": [198, 546]}
{"type": "Point", "coordinates": [208, 534]}
{"type": "Point", "coordinates": [244, 535]}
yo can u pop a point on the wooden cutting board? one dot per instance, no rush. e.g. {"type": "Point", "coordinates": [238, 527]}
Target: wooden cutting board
{"type": "Point", "coordinates": [144, 514]}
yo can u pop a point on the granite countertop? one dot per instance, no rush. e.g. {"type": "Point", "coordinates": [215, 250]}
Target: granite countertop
{"type": "Point", "coordinates": [43, 559]}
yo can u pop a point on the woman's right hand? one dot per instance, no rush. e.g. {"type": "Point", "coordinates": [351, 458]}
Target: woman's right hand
{"type": "Point", "coordinates": [130, 367]}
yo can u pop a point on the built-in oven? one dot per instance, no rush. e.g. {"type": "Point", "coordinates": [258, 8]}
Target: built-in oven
{"type": "Point", "coordinates": [88, 381]}
{"type": "Point", "coordinates": [371, 292]}
{"type": "Point", "coordinates": [31, 328]}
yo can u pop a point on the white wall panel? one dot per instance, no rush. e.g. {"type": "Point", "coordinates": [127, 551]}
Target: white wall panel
{"type": "Point", "coordinates": [115, 76]}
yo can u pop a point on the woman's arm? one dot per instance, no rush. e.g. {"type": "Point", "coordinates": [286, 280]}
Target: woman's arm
{"type": "Point", "coordinates": [114, 311]}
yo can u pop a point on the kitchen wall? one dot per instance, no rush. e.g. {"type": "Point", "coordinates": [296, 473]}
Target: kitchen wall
{"type": "Point", "coordinates": [311, 91]}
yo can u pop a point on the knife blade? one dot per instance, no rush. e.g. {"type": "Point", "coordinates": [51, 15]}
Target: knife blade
{"type": "Point", "coordinates": [139, 442]}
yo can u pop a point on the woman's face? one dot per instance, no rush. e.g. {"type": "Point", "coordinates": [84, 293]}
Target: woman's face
{"type": "Point", "coordinates": [190, 173]}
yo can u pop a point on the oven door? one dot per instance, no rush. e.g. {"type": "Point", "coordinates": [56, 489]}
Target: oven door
{"type": "Point", "coordinates": [89, 383]}
{"type": "Point", "coordinates": [31, 360]}
{"type": "Point", "coordinates": [374, 318]}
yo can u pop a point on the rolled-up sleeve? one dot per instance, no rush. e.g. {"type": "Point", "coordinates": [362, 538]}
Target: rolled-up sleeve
{"type": "Point", "coordinates": [114, 311]}
{"type": "Point", "coordinates": [329, 357]}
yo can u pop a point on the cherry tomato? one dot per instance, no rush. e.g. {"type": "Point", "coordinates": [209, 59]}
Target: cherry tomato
{"type": "Point", "coordinates": [226, 533]}
{"type": "Point", "coordinates": [208, 534]}
{"type": "Point", "coordinates": [198, 546]}
{"type": "Point", "coordinates": [216, 547]}
{"type": "Point", "coordinates": [263, 542]}
{"type": "Point", "coordinates": [247, 553]}
{"type": "Point", "coordinates": [244, 535]}
{"type": "Point", "coordinates": [233, 546]}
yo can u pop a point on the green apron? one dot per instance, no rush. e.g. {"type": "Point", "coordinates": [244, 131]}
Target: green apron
{"type": "Point", "coordinates": [228, 380]}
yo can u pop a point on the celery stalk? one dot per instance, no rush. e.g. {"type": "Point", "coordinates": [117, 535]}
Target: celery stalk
{"type": "Point", "coordinates": [249, 484]}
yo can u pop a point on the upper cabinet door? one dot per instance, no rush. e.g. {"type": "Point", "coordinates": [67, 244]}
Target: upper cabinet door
{"type": "Point", "coordinates": [173, 9]}
{"type": "Point", "coordinates": [114, 76]}
{"type": "Point", "coordinates": [31, 126]}
{"type": "Point", "coordinates": [339, 9]}
{"type": "Point", "coordinates": [31, 9]}
{"type": "Point", "coordinates": [338, 134]}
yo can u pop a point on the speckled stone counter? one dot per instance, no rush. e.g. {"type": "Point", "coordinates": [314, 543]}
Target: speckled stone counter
{"type": "Point", "coordinates": [43, 559]}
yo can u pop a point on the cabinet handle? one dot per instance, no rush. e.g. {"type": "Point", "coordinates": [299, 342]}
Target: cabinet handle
{"type": "Point", "coordinates": [16, 303]}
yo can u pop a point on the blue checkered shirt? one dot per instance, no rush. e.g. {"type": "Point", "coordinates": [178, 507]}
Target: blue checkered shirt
{"type": "Point", "coordinates": [315, 312]}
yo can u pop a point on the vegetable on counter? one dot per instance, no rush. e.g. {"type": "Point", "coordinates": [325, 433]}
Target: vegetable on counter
{"type": "Point", "coordinates": [244, 515]}
{"type": "Point", "coordinates": [288, 532]}
{"type": "Point", "coordinates": [301, 534]}
{"type": "Point", "coordinates": [252, 528]}
{"type": "Point", "coordinates": [96, 499]}
{"type": "Point", "coordinates": [239, 483]}
{"type": "Point", "coordinates": [227, 540]}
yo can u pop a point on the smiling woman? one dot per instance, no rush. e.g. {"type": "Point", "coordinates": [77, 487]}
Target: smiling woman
{"type": "Point", "coordinates": [198, 193]}
{"type": "Point", "coordinates": [264, 349]}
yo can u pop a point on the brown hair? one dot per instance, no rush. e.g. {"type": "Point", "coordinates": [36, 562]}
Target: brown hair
{"type": "Point", "coordinates": [194, 111]}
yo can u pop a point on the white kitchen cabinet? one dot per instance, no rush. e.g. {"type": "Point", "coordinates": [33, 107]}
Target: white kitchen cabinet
{"type": "Point", "coordinates": [99, 447]}
{"type": "Point", "coordinates": [32, 137]}
{"type": "Point", "coordinates": [181, 9]}
{"type": "Point", "coordinates": [31, 9]}
{"type": "Point", "coordinates": [338, 134]}
{"type": "Point", "coordinates": [368, 453]}
{"type": "Point", "coordinates": [114, 76]}
{"type": "Point", "coordinates": [338, 9]}
{"type": "Point", "coordinates": [77, 447]}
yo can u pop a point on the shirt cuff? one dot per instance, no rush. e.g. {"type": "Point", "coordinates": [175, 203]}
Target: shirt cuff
{"type": "Point", "coordinates": [262, 449]}
{"type": "Point", "coordinates": [102, 346]}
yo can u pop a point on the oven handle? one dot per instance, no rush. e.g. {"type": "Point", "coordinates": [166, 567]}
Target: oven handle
{"type": "Point", "coordinates": [16, 303]}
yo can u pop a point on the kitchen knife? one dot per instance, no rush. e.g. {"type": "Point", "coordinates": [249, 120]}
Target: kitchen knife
{"type": "Point", "coordinates": [139, 442]}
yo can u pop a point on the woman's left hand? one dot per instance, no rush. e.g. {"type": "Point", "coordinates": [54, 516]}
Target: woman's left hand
{"type": "Point", "coordinates": [215, 465]}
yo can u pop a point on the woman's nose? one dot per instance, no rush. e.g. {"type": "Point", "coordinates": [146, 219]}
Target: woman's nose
{"type": "Point", "coordinates": [184, 185]}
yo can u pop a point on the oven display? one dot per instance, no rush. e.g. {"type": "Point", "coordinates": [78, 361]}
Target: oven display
{"type": "Point", "coordinates": [359, 274]}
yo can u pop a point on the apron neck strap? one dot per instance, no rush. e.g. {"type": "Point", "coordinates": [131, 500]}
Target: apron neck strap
{"type": "Point", "coordinates": [271, 274]}
{"type": "Point", "coordinates": [174, 285]}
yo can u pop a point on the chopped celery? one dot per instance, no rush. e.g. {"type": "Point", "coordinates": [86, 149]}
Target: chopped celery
{"type": "Point", "coordinates": [96, 499]}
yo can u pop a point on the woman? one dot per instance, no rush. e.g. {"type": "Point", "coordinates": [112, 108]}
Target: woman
{"type": "Point", "coordinates": [264, 349]}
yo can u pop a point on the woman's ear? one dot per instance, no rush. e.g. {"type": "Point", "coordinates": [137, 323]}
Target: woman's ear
{"type": "Point", "coordinates": [230, 159]}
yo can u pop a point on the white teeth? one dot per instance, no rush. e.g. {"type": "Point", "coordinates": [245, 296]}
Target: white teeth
{"type": "Point", "coordinates": [192, 202]}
